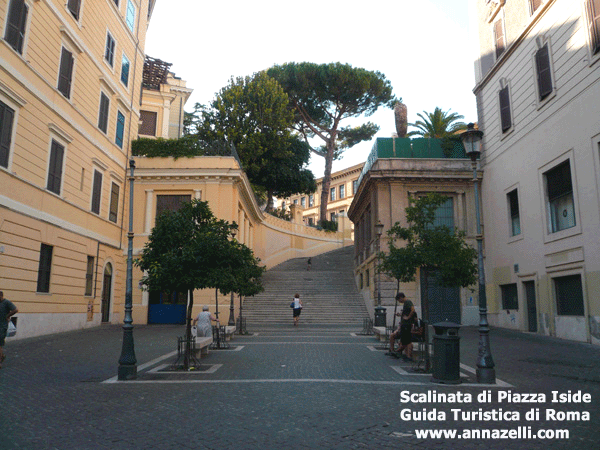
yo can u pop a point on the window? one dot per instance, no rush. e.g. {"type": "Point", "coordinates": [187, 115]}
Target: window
{"type": "Point", "coordinates": [559, 189]}
{"type": "Point", "coordinates": [354, 187]}
{"type": "Point", "coordinates": [109, 52]}
{"type": "Point", "coordinates": [444, 214]}
{"type": "Point", "coordinates": [170, 202]}
{"type": "Point", "coordinates": [342, 191]}
{"type": "Point", "coordinates": [96, 192]}
{"type": "Point", "coordinates": [569, 296]}
{"type": "Point", "coordinates": [593, 12]}
{"type": "Point", "coordinates": [505, 118]}
{"type": "Point", "coordinates": [7, 115]}
{"type": "Point", "coordinates": [114, 203]}
{"type": "Point", "coordinates": [89, 276]}
{"type": "Point", "coordinates": [311, 200]}
{"type": "Point", "coordinates": [303, 202]}
{"type": "Point", "coordinates": [74, 7]}
{"type": "Point", "coordinates": [295, 201]}
{"type": "Point", "coordinates": [544, 75]}
{"type": "Point", "coordinates": [15, 24]}
{"type": "Point", "coordinates": [65, 72]}
{"type": "Point", "coordinates": [148, 125]}
{"type": "Point", "coordinates": [130, 18]}
{"type": "Point", "coordinates": [332, 217]}
{"type": "Point", "coordinates": [55, 167]}
{"type": "Point", "coordinates": [534, 5]}
{"type": "Point", "coordinates": [499, 38]}
{"type": "Point", "coordinates": [103, 113]}
{"type": "Point", "coordinates": [513, 207]}
{"type": "Point", "coordinates": [311, 221]}
{"type": "Point", "coordinates": [43, 281]}
{"type": "Point", "coordinates": [120, 129]}
{"type": "Point", "coordinates": [332, 194]}
{"type": "Point", "coordinates": [124, 70]}
{"type": "Point", "coordinates": [116, 3]}
{"type": "Point", "coordinates": [510, 299]}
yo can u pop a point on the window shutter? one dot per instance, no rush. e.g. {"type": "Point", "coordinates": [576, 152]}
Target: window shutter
{"type": "Point", "coordinates": [593, 11]}
{"type": "Point", "coordinates": [535, 4]}
{"type": "Point", "coordinates": [15, 26]}
{"type": "Point", "coordinates": [120, 129]}
{"type": "Point", "coordinates": [66, 72]}
{"type": "Point", "coordinates": [74, 6]}
{"type": "Point", "coordinates": [6, 121]}
{"type": "Point", "coordinates": [499, 36]}
{"type": "Point", "coordinates": [505, 109]}
{"type": "Point", "coordinates": [542, 60]}
{"type": "Point", "coordinates": [96, 192]}
{"type": "Point", "coordinates": [43, 283]}
{"type": "Point", "coordinates": [114, 203]}
{"type": "Point", "coordinates": [103, 115]}
{"type": "Point", "coordinates": [558, 181]}
{"type": "Point", "coordinates": [57, 152]}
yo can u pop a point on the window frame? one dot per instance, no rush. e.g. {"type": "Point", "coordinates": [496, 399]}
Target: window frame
{"type": "Point", "coordinates": [74, 7]}
{"type": "Point", "coordinates": [96, 199]}
{"type": "Point", "coordinates": [89, 277]}
{"type": "Point", "coordinates": [68, 77]}
{"type": "Point", "coordinates": [20, 29]}
{"type": "Point", "coordinates": [499, 50]}
{"type": "Point", "coordinates": [130, 7]}
{"type": "Point", "coordinates": [103, 112]}
{"type": "Point", "coordinates": [543, 97]}
{"type": "Point", "coordinates": [113, 209]}
{"type": "Point", "coordinates": [342, 190]}
{"type": "Point", "coordinates": [55, 170]}
{"type": "Point", "coordinates": [555, 199]}
{"type": "Point", "coordinates": [120, 129]}
{"type": "Point", "coordinates": [110, 49]}
{"type": "Point", "coordinates": [126, 72]}
{"type": "Point", "coordinates": [332, 192]}
{"type": "Point", "coordinates": [44, 269]}
{"type": "Point", "coordinates": [7, 114]}
{"type": "Point", "coordinates": [592, 25]}
{"type": "Point", "coordinates": [512, 302]}
{"type": "Point", "coordinates": [557, 301]}
{"type": "Point", "coordinates": [511, 215]}
{"type": "Point", "coordinates": [505, 108]}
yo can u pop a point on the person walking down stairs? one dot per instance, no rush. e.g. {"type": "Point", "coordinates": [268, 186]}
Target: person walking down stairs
{"type": "Point", "coordinates": [297, 305]}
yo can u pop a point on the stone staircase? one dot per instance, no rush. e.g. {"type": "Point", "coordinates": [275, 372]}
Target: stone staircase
{"type": "Point", "coordinates": [327, 291]}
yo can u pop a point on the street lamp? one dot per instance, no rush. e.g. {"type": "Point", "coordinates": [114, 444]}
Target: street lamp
{"type": "Point", "coordinates": [127, 361]}
{"type": "Point", "coordinates": [485, 364]}
{"type": "Point", "coordinates": [380, 320]}
{"type": "Point", "coordinates": [231, 320]}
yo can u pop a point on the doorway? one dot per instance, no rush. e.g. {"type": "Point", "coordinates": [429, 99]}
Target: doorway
{"type": "Point", "coordinates": [531, 307]}
{"type": "Point", "coordinates": [106, 292]}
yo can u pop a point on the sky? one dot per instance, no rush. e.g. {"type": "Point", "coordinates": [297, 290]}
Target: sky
{"type": "Point", "coordinates": [422, 46]}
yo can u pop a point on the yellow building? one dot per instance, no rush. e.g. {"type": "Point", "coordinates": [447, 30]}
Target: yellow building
{"type": "Point", "coordinates": [341, 193]}
{"type": "Point", "coordinates": [70, 80]}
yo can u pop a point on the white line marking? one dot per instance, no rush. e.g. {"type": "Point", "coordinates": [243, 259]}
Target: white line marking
{"type": "Point", "coordinates": [499, 383]}
{"type": "Point", "coordinates": [212, 369]}
{"type": "Point", "coordinates": [144, 366]}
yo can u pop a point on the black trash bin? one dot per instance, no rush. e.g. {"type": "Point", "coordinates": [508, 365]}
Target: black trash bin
{"type": "Point", "coordinates": [446, 353]}
{"type": "Point", "coordinates": [380, 319]}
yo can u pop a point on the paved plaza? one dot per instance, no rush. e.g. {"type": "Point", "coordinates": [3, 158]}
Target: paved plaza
{"type": "Point", "coordinates": [311, 387]}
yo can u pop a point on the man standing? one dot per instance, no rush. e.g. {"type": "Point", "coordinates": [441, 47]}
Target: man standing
{"type": "Point", "coordinates": [408, 317]}
{"type": "Point", "coordinates": [7, 310]}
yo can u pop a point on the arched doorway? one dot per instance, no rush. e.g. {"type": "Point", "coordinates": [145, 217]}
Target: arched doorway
{"type": "Point", "coordinates": [106, 292]}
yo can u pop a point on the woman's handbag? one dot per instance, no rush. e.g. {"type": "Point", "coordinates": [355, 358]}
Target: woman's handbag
{"type": "Point", "coordinates": [12, 329]}
{"type": "Point", "coordinates": [292, 304]}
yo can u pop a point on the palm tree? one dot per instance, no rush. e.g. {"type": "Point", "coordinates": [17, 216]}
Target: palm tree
{"type": "Point", "coordinates": [438, 124]}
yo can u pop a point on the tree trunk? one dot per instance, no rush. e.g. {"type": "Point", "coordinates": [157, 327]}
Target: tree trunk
{"type": "Point", "coordinates": [188, 332]}
{"type": "Point", "coordinates": [327, 179]}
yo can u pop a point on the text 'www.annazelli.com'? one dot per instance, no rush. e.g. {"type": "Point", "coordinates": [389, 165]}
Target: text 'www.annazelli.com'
{"type": "Point", "coordinates": [524, 432]}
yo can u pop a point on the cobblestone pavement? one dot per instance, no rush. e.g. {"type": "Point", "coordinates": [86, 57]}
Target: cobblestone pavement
{"type": "Point", "coordinates": [282, 388]}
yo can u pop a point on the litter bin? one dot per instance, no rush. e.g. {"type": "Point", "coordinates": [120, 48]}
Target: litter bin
{"type": "Point", "coordinates": [380, 319]}
{"type": "Point", "coordinates": [446, 353]}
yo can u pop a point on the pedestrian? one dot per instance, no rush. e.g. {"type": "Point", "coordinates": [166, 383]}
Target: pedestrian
{"type": "Point", "coordinates": [308, 264]}
{"type": "Point", "coordinates": [408, 317]}
{"type": "Point", "coordinates": [297, 305]}
{"type": "Point", "coordinates": [204, 328]}
{"type": "Point", "coordinates": [7, 310]}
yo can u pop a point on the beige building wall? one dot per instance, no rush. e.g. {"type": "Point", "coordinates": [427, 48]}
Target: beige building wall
{"type": "Point", "coordinates": [343, 184]}
{"type": "Point", "coordinates": [56, 145]}
{"type": "Point", "coordinates": [561, 129]}
{"type": "Point", "coordinates": [383, 195]}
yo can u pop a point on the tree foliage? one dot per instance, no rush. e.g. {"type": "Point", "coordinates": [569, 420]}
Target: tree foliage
{"type": "Point", "coordinates": [322, 96]}
{"type": "Point", "coordinates": [191, 249]}
{"type": "Point", "coordinates": [253, 113]}
{"type": "Point", "coordinates": [438, 124]}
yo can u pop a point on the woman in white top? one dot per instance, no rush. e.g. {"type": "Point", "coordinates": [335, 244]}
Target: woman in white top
{"type": "Point", "coordinates": [297, 309]}
{"type": "Point", "coordinates": [203, 322]}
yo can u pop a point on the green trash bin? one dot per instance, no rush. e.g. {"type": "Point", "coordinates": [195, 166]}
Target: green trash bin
{"type": "Point", "coordinates": [380, 316]}
{"type": "Point", "coordinates": [446, 353]}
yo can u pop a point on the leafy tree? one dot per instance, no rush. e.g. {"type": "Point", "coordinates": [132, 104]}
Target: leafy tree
{"type": "Point", "coordinates": [324, 95]}
{"type": "Point", "coordinates": [438, 124]}
{"type": "Point", "coordinates": [253, 114]}
{"type": "Point", "coordinates": [430, 248]}
{"type": "Point", "coordinates": [191, 249]}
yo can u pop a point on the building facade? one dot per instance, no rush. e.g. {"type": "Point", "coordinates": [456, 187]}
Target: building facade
{"type": "Point", "coordinates": [70, 86]}
{"type": "Point", "coordinates": [397, 170]}
{"type": "Point", "coordinates": [341, 193]}
{"type": "Point", "coordinates": [537, 89]}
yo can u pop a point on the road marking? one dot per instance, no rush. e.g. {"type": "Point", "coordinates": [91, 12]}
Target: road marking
{"type": "Point", "coordinates": [144, 366]}
{"type": "Point", "coordinates": [212, 369]}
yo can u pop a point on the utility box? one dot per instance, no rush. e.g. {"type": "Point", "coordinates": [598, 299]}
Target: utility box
{"type": "Point", "coordinates": [380, 316]}
{"type": "Point", "coordinates": [446, 353]}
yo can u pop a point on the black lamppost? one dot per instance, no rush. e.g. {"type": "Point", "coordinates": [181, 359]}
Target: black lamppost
{"type": "Point", "coordinates": [231, 320]}
{"type": "Point", "coordinates": [127, 361]}
{"type": "Point", "coordinates": [380, 319]}
{"type": "Point", "coordinates": [485, 364]}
